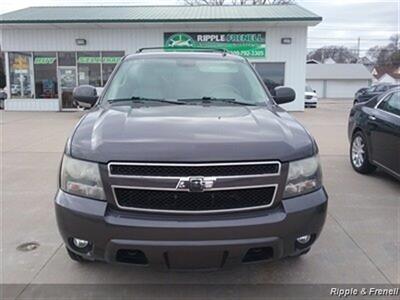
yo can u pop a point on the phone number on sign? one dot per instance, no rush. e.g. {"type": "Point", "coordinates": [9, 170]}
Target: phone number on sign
{"type": "Point", "coordinates": [249, 53]}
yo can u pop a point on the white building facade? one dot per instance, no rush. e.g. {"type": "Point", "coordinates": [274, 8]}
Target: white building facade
{"type": "Point", "coordinates": [50, 52]}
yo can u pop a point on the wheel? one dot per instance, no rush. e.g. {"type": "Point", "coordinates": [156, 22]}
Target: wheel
{"type": "Point", "coordinates": [359, 154]}
{"type": "Point", "coordinates": [76, 257]}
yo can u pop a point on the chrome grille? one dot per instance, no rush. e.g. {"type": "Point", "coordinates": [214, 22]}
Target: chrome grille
{"type": "Point", "coordinates": [179, 170]}
{"type": "Point", "coordinates": [194, 188]}
{"type": "Point", "coordinates": [176, 201]}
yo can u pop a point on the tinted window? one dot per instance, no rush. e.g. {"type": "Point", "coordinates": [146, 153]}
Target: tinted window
{"type": "Point", "coordinates": [66, 58]}
{"type": "Point", "coordinates": [110, 60]}
{"type": "Point", "coordinates": [45, 67]}
{"type": "Point", "coordinates": [391, 104]}
{"type": "Point", "coordinates": [89, 68]}
{"type": "Point", "coordinates": [186, 78]}
{"type": "Point", "coordinates": [20, 74]}
{"type": "Point", "coordinates": [382, 88]}
{"type": "Point", "coordinates": [273, 74]}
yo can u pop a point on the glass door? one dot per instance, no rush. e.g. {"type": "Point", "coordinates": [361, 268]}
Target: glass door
{"type": "Point", "coordinates": [67, 82]}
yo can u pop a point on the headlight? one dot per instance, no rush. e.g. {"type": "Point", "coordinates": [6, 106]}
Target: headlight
{"type": "Point", "coordinates": [304, 176]}
{"type": "Point", "coordinates": [81, 178]}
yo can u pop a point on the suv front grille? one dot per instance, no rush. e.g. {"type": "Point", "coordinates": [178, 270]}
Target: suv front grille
{"type": "Point", "coordinates": [176, 170]}
{"type": "Point", "coordinates": [209, 201]}
{"type": "Point", "coordinates": [194, 187]}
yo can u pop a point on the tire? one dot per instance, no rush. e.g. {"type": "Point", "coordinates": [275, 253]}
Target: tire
{"type": "Point", "coordinates": [76, 257]}
{"type": "Point", "coordinates": [359, 155]}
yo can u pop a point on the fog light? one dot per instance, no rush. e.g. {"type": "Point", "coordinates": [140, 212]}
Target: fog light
{"type": "Point", "coordinates": [305, 239]}
{"type": "Point", "coordinates": [80, 243]}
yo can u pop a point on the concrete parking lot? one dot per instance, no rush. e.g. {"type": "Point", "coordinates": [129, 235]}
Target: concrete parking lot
{"type": "Point", "coordinates": [360, 243]}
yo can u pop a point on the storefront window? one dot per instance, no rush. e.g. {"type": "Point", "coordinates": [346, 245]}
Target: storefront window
{"type": "Point", "coordinates": [273, 74]}
{"type": "Point", "coordinates": [67, 59]}
{"type": "Point", "coordinates": [110, 59]}
{"type": "Point", "coordinates": [89, 68]}
{"type": "Point", "coordinates": [45, 68]}
{"type": "Point", "coordinates": [20, 74]}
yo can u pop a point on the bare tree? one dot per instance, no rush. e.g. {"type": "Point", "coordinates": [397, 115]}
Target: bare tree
{"type": "Point", "coordinates": [204, 2]}
{"type": "Point", "coordinates": [388, 55]}
{"type": "Point", "coordinates": [339, 54]}
{"type": "Point", "coordinates": [238, 2]}
{"type": "Point", "coordinates": [394, 41]}
{"type": "Point", "coordinates": [271, 2]}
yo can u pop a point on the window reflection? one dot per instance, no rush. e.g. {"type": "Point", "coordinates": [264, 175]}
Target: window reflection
{"type": "Point", "coordinates": [89, 68]}
{"type": "Point", "coordinates": [45, 68]}
{"type": "Point", "coordinates": [110, 60]}
{"type": "Point", "coordinates": [20, 74]}
{"type": "Point", "coordinates": [273, 74]}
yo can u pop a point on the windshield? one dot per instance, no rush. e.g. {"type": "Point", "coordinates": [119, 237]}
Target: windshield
{"type": "Point", "coordinates": [309, 89]}
{"type": "Point", "coordinates": [187, 79]}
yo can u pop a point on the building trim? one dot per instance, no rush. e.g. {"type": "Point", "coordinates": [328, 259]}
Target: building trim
{"type": "Point", "coordinates": [63, 21]}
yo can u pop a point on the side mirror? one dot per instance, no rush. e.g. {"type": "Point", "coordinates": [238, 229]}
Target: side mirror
{"type": "Point", "coordinates": [315, 91]}
{"type": "Point", "coordinates": [284, 95]}
{"type": "Point", "coordinates": [85, 95]}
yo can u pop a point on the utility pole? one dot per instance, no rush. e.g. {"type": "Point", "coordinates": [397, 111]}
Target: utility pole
{"type": "Point", "coordinates": [358, 46]}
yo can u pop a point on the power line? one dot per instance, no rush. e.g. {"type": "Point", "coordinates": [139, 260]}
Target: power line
{"type": "Point", "coordinates": [346, 39]}
{"type": "Point", "coordinates": [354, 29]}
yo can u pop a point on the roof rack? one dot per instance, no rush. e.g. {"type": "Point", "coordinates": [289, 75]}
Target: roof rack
{"type": "Point", "coordinates": [194, 49]}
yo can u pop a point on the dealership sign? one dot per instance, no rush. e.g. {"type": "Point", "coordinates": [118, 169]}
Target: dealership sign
{"type": "Point", "coordinates": [247, 44]}
{"type": "Point", "coordinates": [41, 60]}
{"type": "Point", "coordinates": [98, 59]}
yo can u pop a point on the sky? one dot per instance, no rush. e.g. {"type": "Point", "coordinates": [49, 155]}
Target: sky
{"type": "Point", "coordinates": [344, 21]}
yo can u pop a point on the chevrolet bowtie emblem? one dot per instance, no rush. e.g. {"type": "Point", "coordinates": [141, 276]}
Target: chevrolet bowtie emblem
{"type": "Point", "coordinates": [196, 184]}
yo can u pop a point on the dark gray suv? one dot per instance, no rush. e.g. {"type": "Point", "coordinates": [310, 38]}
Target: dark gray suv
{"type": "Point", "coordinates": [187, 161]}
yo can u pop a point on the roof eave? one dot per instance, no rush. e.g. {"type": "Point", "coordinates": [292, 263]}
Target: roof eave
{"type": "Point", "coordinates": [313, 21]}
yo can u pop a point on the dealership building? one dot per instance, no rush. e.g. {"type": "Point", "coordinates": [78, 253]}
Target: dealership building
{"type": "Point", "coordinates": [50, 50]}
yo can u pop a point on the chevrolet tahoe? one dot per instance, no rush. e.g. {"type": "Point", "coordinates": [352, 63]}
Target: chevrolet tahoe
{"type": "Point", "coordinates": [186, 161]}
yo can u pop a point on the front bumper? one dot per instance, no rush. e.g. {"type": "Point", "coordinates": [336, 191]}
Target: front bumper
{"type": "Point", "coordinates": [193, 242]}
{"type": "Point", "coordinates": [313, 101]}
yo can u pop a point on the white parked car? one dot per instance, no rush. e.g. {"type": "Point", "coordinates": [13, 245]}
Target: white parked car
{"type": "Point", "coordinates": [310, 97]}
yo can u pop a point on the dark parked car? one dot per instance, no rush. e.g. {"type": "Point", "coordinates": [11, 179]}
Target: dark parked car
{"type": "Point", "coordinates": [374, 133]}
{"type": "Point", "coordinates": [360, 92]}
{"type": "Point", "coordinates": [3, 97]}
{"type": "Point", "coordinates": [186, 161]}
{"type": "Point", "coordinates": [365, 94]}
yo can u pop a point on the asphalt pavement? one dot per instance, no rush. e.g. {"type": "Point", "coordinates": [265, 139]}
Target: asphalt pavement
{"type": "Point", "coordinates": [360, 243]}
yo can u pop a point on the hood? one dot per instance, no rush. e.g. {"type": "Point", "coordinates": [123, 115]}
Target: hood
{"type": "Point", "coordinates": [189, 133]}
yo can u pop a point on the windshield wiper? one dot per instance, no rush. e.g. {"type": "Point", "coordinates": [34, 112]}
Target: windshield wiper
{"type": "Point", "coordinates": [144, 99]}
{"type": "Point", "coordinates": [214, 99]}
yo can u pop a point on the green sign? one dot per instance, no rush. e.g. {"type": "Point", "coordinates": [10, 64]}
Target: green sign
{"type": "Point", "coordinates": [44, 60]}
{"type": "Point", "coordinates": [97, 59]}
{"type": "Point", "coordinates": [111, 59]}
{"type": "Point", "coordinates": [89, 60]}
{"type": "Point", "coordinates": [247, 44]}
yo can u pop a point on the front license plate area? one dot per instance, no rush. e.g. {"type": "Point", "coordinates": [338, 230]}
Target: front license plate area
{"type": "Point", "coordinates": [195, 259]}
